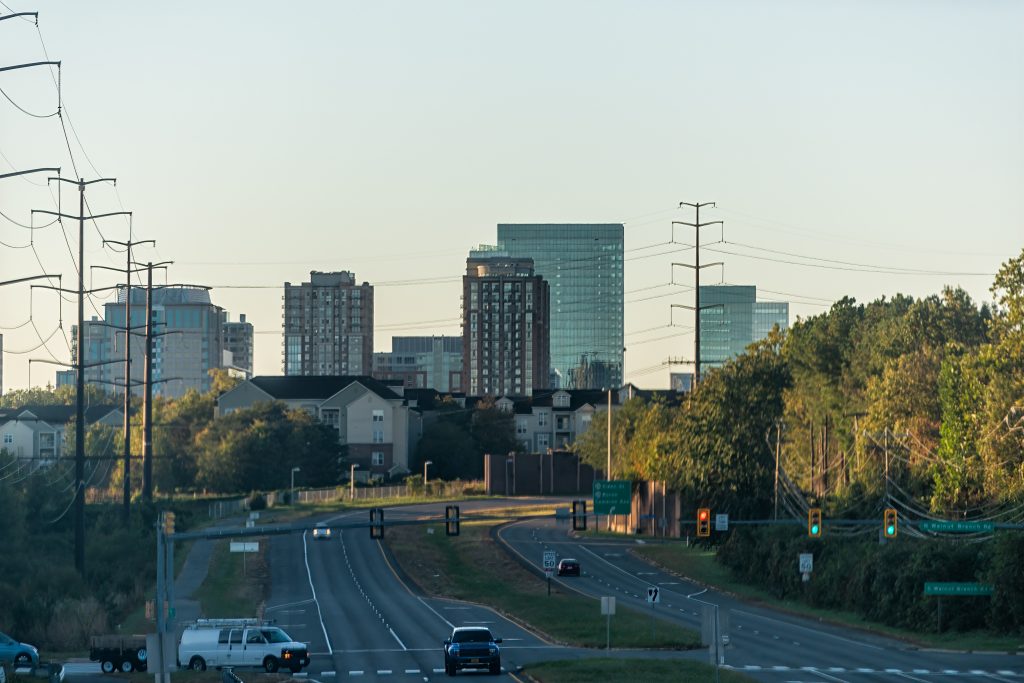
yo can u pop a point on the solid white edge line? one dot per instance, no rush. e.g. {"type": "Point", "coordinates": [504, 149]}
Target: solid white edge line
{"type": "Point", "coordinates": [397, 638]}
{"type": "Point", "coordinates": [309, 575]}
{"type": "Point", "coordinates": [380, 547]}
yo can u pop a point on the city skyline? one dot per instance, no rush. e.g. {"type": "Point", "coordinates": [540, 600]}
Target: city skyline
{"type": "Point", "coordinates": [393, 141]}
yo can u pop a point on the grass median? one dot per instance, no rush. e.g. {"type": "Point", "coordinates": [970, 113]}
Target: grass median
{"type": "Point", "coordinates": [473, 567]}
{"type": "Point", "coordinates": [699, 564]}
{"type": "Point", "coordinates": [236, 583]}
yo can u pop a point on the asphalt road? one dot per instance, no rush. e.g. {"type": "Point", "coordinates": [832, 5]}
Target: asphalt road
{"type": "Point", "coordinates": [344, 598]}
{"type": "Point", "coordinates": [763, 643]}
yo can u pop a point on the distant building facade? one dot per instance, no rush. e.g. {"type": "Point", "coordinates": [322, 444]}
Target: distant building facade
{"type": "Point", "coordinates": [681, 382]}
{"type": "Point", "coordinates": [731, 319]}
{"type": "Point", "coordinates": [328, 325]}
{"type": "Point", "coordinates": [1, 365]}
{"type": "Point", "coordinates": [583, 266]}
{"type": "Point", "coordinates": [505, 325]}
{"type": "Point", "coordinates": [37, 432]}
{"type": "Point", "coordinates": [422, 362]}
{"type": "Point", "coordinates": [188, 342]}
{"type": "Point", "coordinates": [238, 342]}
{"type": "Point", "coordinates": [371, 419]}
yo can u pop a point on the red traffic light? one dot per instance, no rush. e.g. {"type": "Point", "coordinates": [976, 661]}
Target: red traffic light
{"type": "Point", "coordinates": [703, 515]}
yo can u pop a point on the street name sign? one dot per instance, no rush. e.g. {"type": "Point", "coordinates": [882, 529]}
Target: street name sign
{"type": "Point", "coordinates": [954, 588]}
{"type": "Point", "coordinates": [963, 527]}
{"type": "Point", "coordinates": [612, 497]}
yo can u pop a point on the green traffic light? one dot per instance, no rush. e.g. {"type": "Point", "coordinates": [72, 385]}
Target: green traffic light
{"type": "Point", "coordinates": [890, 530]}
{"type": "Point", "coordinates": [814, 529]}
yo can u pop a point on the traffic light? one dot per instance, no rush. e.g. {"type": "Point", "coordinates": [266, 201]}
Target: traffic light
{"type": "Point", "coordinates": [168, 522]}
{"type": "Point", "coordinates": [376, 522]}
{"type": "Point", "coordinates": [451, 520]}
{"type": "Point", "coordinates": [890, 526]}
{"type": "Point", "coordinates": [579, 515]}
{"type": "Point", "coordinates": [814, 523]}
{"type": "Point", "coordinates": [704, 522]}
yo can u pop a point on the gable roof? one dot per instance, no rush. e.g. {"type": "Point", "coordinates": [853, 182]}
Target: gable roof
{"type": "Point", "coordinates": [317, 387]}
{"type": "Point", "coordinates": [58, 414]}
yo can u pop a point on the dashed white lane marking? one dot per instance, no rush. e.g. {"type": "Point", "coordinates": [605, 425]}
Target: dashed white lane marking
{"type": "Point", "coordinates": [328, 673]}
{"type": "Point", "coordinates": [383, 672]}
{"type": "Point", "coordinates": [355, 673]}
{"type": "Point", "coordinates": [439, 671]}
{"type": "Point", "coordinates": [412, 671]}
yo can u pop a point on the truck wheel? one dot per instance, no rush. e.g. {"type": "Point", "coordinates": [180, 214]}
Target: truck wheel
{"type": "Point", "coordinates": [127, 666]}
{"type": "Point", "coordinates": [140, 654]}
{"type": "Point", "coordinates": [107, 666]}
{"type": "Point", "coordinates": [270, 665]}
{"type": "Point", "coordinates": [197, 663]}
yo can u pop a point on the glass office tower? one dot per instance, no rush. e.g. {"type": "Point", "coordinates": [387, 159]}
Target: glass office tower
{"type": "Point", "coordinates": [734, 321]}
{"type": "Point", "coordinates": [582, 264]}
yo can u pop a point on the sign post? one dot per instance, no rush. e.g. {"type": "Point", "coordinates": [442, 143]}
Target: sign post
{"type": "Point", "coordinates": [956, 589]}
{"type": "Point", "coordinates": [608, 609]}
{"type": "Point", "coordinates": [653, 597]}
{"type": "Point", "coordinates": [549, 567]}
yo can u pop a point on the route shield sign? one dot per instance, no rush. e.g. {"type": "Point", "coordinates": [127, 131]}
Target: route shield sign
{"type": "Point", "coordinates": [549, 559]}
{"type": "Point", "coordinates": [612, 497]}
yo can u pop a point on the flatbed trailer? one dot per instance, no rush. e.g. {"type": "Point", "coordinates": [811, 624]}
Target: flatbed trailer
{"type": "Point", "coordinates": [119, 653]}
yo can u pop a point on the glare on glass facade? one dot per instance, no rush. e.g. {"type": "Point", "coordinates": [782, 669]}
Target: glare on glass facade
{"type": "Point", "coordinates": [731, 319]}
{"type": "Point", "coordinates": [582, 264]}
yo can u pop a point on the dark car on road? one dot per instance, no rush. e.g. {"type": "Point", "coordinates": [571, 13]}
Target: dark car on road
{"type": "Point", "coordinates": [569, 567]}
{"type": "Point", "coordinates": [472, 647]}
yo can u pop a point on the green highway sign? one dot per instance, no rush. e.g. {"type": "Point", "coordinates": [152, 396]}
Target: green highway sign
{"type": "Point", "coordinates": [942, 525]}
{"type": "Point", "coordinates": [612, 497]}
{"type": "Point", "coordinates": [952, 588]}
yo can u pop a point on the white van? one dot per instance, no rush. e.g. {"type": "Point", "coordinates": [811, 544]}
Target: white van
{"type": "Point", "coordinates": [240, 643]}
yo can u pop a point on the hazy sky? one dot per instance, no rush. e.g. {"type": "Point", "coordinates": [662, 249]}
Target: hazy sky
{"type": "Point", "coordinates": [258, 141]}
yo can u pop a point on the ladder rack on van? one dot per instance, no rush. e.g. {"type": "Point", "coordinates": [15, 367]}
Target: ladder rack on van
{"type": "Point", "coordinates": [231, 623]}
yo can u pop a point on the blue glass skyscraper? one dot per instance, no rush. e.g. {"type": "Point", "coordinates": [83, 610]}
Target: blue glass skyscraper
{"type": "Point", "coordinates": [582, 264]}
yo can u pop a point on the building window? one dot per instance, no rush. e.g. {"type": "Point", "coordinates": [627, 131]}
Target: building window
{"type": "Point", "coordinates": [8, 438]}
{"type": "Point", "coordinates": [542, 419]}
{"type": "Point", "coordinates": [521, 427]}
{"type": "Point", "coordinates": [378, 416]}
{"type": "Point", "coordinates": [377, 458]}
{"type": "Point", "coordinates": [561, 400]}
{"type": "Point", "coordinates": [378, 436]}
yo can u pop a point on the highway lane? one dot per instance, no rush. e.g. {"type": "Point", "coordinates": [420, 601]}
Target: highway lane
{"type": "Point", "coordinates": [343, 597]}
{"type": "Point", "coordinates": [764, 643]}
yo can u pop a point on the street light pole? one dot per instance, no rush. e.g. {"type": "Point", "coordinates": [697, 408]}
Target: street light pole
{"type": "Point", "coordinates": [291, 501]}
{"type": "Point", "coordinates": [427, 464]}
{"type": "Point", "coordinates": [352, 481]}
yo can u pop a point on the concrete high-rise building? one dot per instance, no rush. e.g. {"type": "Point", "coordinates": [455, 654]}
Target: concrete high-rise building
{"type": "Point", "coordinates": [505, 325]}
{"type": "Point", "coordinates": [328, 326]}
{"type": "Point", "coordinates": [188, 341]}
{"type": "Point", "coordinates": [731, 319]}
{"type": "Point", "coordinates": [238, 341]}
{"type": "Point", "coordinates": [422, 362]}
{"type": "Point", "coordinates": [582, 264]}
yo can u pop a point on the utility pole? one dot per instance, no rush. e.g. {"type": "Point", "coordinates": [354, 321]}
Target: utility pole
{"type": "Point", "coordinates": [696, 266]}
{"type": "Point", "coordinates": [79, 504]}
{"type": "Point", "coordinates": [147, 380]}
{"type": "Point", "coordinates": [128, 270]}
{"type": "Point", "coordinates": [778, 443]}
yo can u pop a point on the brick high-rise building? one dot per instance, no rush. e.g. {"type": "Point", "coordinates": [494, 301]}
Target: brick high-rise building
{"type": "Point", "coordinates": [328, 326]}
{"type": "Point", "coordinates": [505, 325]}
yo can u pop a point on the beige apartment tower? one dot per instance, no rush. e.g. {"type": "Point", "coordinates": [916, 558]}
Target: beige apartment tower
{"type": "Point", "coordinates": [328, 325]}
